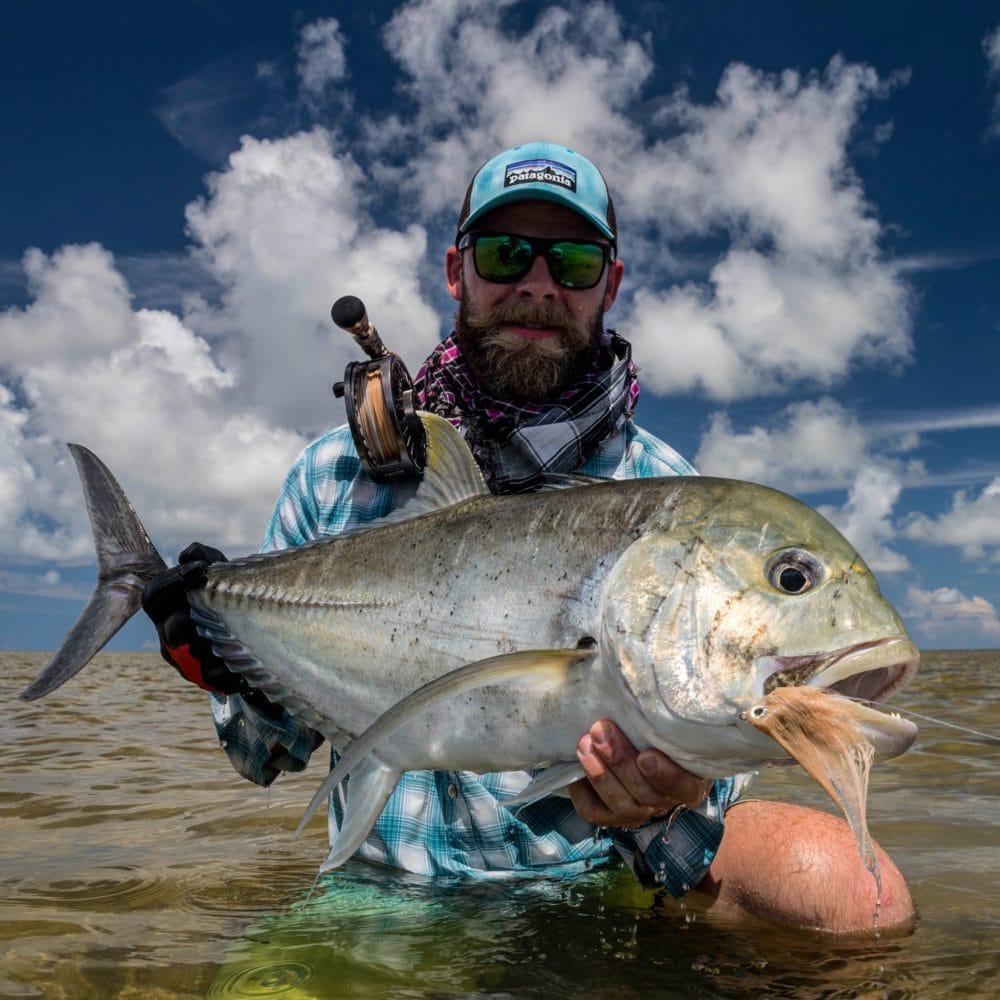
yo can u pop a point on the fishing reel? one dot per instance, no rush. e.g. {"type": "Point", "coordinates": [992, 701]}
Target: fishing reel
{"type": "Point", "coordinates": [378, 395]}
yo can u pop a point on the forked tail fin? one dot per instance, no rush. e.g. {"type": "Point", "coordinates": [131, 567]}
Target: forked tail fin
{"type": "Point", "coordinates": [126, 562]}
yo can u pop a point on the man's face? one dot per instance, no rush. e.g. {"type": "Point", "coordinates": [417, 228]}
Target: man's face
{"type": "Point", "coordinates": [530, 338]}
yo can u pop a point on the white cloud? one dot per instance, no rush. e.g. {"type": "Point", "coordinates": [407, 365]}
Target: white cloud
{"type": "Point", "coordinates": [81, 304]}
{"type": "Point", "coordinates": [807, 446]}
{"type": "Point", "coordinates": [803, 291]}
{"type": "Point", "coordinates": [322, 59]}
{"type": "Point", "coordinates": [475, 86]}
{"type": "Point", "coordinates": [49, 584]}
{"type": "Point", "coordinates": [865, 519]}
{"type": "Point", "coordinates": [950, 613]}
{"type": "Point", "coordinates": [146, 396]}
{"type": "Point", "coordinates": [285, 231]}
{"type": "Point", "coordinates": [972, 524]}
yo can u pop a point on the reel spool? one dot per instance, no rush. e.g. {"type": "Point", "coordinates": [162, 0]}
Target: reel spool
{"type": "Point", "coordinates": [378, 396]}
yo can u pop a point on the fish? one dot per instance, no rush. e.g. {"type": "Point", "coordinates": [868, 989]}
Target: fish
{"type": "Point", "coordinates": [470, 631]}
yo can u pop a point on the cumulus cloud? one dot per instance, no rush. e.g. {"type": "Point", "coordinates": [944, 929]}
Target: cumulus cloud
{"type": "Point", "coordinates": [947, 612]}
{"type": "Point", "coordinates": [138, 388]}
{"type": "Point", "coordinates": [475, 85]}
{"type": "Point", "coordinates": [285, 231]}
{"type": "Point", "coordinates": [866, 519]}
{"type": "Point", "coordinates": [803, 291]}
{"type": "Point", "coordinates": [807, 446]}
{"type": "Point", "coordinates": [80, 306]}
{"type": "Point", "coordinates": [972, 524]}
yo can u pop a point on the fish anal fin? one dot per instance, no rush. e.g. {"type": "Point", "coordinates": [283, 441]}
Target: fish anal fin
{"type": "Point", "coordinates": [371, 784]}
{"type": "Point", "coordinates": [550, 782]}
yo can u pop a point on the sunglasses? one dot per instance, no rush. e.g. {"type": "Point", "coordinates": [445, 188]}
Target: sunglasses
{"type": "Point", "coordinates": [504, 258]}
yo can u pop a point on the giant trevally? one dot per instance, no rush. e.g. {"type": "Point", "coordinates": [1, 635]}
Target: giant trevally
{"type": "Point", "coordinates": [485, 633]}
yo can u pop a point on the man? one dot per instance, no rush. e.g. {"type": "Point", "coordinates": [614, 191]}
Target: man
{"type": "Point", "coordinates": [537, 385]}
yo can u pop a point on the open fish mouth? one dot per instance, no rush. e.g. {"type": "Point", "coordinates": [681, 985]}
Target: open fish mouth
{"type": "Point", "coordinates": [866, 675]}
{"type": "Point", "coordinates": [869, 671]}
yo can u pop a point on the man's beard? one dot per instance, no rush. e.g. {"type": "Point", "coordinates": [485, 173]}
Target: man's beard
{"type": "Point", "coordinates": [508, 365]}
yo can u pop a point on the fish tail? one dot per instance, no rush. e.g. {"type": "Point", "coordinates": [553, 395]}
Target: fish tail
{"type": "Point", "coordinates": [126, 562]}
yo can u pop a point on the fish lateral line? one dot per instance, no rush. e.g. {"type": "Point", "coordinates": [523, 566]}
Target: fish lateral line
{"type": "Point", "coordinates": [267, 595]}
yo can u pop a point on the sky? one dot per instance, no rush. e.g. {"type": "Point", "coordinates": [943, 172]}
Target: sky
{"type": "Point", "coordinates": [807, 200]}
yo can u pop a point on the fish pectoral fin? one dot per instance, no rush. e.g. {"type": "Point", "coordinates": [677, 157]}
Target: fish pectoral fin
{"type": "Point", "coordinates": [532, 666]}
{"type": "Point", "coordinates": [552, 781]}
{"type": "Point", "coordinates": [371, 784]}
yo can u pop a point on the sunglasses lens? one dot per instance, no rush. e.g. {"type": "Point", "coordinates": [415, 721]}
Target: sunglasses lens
{"type": "Point", "coordinates": [576, 265]}
{"type": "Point", "coordinates": [505, 258]}
{"type": "Point", "coordinates": [502, 258]}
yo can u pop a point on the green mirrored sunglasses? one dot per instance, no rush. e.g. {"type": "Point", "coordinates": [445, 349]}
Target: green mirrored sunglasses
{"type": "Point", "coordinates": [506, 257]}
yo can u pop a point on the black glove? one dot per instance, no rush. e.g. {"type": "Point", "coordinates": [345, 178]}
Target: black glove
{"type": "Point", "coordinates": [165, 601]}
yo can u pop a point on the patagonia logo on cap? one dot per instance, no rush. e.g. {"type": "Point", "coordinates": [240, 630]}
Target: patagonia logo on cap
{"type": "Point", "coordinates": [540, 171]}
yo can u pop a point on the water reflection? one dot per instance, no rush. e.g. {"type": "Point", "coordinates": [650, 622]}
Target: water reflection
{"type": "Point", "coordinates": [134, 863]}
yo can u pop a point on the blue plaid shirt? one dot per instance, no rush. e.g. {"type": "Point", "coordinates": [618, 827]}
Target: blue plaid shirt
{"type": "Point", "coordinates": [452, 822]}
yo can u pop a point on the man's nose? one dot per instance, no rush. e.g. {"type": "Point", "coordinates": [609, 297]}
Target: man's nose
{"type": "Point", "coordinates": [538, 283]}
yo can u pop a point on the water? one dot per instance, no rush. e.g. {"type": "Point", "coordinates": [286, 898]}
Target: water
{"type": "Point", "coordinates": [134, 863]}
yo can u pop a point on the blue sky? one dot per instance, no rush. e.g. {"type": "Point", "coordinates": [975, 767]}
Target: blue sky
{"type": "Point", "coordinates": [808, 205]}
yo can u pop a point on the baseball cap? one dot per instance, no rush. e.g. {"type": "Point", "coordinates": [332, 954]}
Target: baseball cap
{"type": "Point", "coordinates": [545, 171]}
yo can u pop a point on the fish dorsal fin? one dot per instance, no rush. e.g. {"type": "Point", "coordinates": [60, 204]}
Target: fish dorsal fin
{"type": "Point", "coordinates": [450, 476]}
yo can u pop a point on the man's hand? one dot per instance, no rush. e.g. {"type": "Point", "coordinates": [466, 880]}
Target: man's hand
{"type": "Point", "coordinates": [625, 787]}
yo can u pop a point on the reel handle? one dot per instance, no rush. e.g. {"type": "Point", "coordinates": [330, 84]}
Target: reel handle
{"type": "Point", "coordinates": [349, 313]}
{"type": "Point", "coordinates": [379, 399]}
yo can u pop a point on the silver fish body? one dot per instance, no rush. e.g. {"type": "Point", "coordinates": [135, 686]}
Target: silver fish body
{"type": "Point", "coordinates": [488, 633]}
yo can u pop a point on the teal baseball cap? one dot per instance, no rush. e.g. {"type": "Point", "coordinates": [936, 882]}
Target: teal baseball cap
{"type": "Point", "coordinates": [544, 171]}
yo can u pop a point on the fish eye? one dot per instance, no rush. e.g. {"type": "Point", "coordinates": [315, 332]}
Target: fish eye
{"type": "Point", "coordinates": [794, 571]}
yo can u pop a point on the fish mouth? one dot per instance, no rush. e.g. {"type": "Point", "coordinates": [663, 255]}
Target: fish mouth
{"type": "Point", "coordinates": [865, 674]}
{"type": "Point", "coordinates": [868, 671]}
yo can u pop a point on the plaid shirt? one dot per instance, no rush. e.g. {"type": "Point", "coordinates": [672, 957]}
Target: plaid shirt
{"type": "Point", "coordinates": [452, 822]}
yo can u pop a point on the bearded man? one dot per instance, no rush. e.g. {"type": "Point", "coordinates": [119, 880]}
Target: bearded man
{"type": "Point", "coordinates": [537, 385]}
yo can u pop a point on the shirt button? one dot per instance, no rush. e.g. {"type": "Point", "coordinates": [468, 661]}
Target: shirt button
{"type": "Point", "coordinates": [453, 791]}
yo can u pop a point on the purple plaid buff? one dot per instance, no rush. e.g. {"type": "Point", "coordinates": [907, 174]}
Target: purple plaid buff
{"type": "Point", "coordinates": [517, 444]}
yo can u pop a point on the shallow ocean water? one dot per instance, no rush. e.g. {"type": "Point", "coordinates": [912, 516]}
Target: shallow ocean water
{"type": "Point", "coordinates": [135, 863]}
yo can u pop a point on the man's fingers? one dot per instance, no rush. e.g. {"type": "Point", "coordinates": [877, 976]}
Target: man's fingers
{"type": "Point", "coordinates": [619, 756]}
{"type": "Point", "coordinates": [602, 798]}
{"type": "Point", "coordinates": [670, 781]}
{"type": "Point", "coordinates": [626, 788]}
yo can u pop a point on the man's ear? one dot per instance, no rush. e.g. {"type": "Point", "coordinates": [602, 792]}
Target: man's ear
{"type": "Point", "coordinates": [453, 272]}
{"type": "Point", "coordinates": [615, 271]}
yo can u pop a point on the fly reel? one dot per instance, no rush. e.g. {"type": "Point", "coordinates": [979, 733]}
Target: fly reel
{"type": "Point", "coordinates": [378, 396]}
